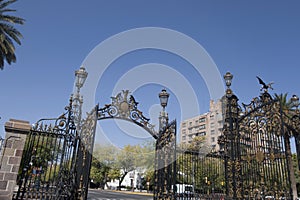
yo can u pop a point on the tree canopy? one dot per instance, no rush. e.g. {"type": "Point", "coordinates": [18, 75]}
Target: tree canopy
{"type": "Point", "coordinates": [110, 162]}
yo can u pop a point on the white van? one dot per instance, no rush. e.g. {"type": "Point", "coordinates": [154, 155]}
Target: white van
{"type": "Point", "coordinates": [184, 190]}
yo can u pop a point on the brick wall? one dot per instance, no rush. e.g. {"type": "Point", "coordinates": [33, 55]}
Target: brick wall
{"type": "Point", "coordinates": [11, 154]}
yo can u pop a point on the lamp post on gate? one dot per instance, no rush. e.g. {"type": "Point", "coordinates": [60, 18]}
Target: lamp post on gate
{"type": "Point", "coordinates": [231, 150]}
{"type": "Point", "coordinates": [163, 116]}
{"type": "Point", "coordinates": [161, 161]}
{"type": "Point", "coordinates": [80, 77]}
{"type": "Point", "coordinates": [228, 79]}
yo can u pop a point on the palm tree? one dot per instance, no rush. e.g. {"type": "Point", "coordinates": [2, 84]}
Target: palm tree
{"type": "Point", "coordinates": [8, 34]}
{"type": "Point", "coordinates": [286, 105]}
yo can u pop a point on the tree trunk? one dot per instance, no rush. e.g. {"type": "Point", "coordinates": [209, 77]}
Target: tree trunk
{"type": "Point", "coordinates": [121, 179]}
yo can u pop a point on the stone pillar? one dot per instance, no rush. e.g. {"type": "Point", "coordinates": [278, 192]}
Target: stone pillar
{"type": "Point", "coordinates": [11, 155]}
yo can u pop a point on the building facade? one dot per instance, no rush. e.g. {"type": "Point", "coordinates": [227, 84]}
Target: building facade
{"type": "Point", "coordinates": [209, 125]}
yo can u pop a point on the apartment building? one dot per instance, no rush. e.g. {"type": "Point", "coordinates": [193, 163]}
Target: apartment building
{"type": "Point", "coordinates": [208, 124]}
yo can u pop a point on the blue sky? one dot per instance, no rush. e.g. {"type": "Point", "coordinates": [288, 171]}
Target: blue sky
{"type": "Point", "coordinates": [247, 38]}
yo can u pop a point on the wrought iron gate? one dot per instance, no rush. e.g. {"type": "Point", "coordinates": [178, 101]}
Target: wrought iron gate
{"type": "Point", "coordinates": [56, 158]}
{"type": "Point", "coordinates": [256, 148]}
{"type": "Point", "coordinates": [84, 158]}
{"type": "Point", "coordinates": [165, 163]}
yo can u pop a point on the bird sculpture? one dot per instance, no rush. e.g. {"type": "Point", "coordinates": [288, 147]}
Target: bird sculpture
{"type": "Point", "coordinates": [264, 86]}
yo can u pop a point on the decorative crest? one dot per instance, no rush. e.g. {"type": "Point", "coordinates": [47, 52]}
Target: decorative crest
{"type": "Point", "coordinates": [124, 106]}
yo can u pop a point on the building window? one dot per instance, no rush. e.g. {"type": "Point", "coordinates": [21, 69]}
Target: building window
{"type": "Point", "coordinates": [202, 127]}
{"type": "Point", "coordinates": [203, 133]}
{"type": "Point", "coordinates": [212, 132]}
{"type": "Point", "coordinates": [183, 125]}
{"type": "Point", "coordinates": [191, 123]}
{"type": "Point", "coordinates": [213, 139]}
{"type": "Point", "coordinates": [202, 119]}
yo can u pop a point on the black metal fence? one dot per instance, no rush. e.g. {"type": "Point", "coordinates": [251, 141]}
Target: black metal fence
{"type": "Point", "coordinates": [47, 168]}
{"type": "Point", "coordinates": [186, 174]}
{"type": "Point", "coordinates": [254, 160]}
{"type": "Point", "coordinates": [199, 175]}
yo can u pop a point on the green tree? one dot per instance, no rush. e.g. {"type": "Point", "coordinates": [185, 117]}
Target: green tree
{"type": "Point", "coordinates": [99, 172]}
{"type": "Point", "coordinates": [126, 161]}
{"type": "Point", "coordinates": [103, 167]}
{"type": "Point", "coordinates": [148, 163]}
{"type": "Point", "coordinates": [197, 145]}
{"type": "Point", "coordinates": [8, 33]}
{"type": "Point", "coordinates": [111, 163]}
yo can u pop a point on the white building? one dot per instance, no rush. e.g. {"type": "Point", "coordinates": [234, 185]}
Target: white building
{"type": "Point", "coordinates": [132, 180]}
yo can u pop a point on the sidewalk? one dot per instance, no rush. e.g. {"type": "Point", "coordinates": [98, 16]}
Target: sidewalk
{"type": "Point", "coordinates": [132, 192]}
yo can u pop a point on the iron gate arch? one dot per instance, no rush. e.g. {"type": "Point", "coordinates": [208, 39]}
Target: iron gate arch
{"type": "Point", "coordinates": [58, 152]}
{"type": "Point", "coordinates": [124, 106]}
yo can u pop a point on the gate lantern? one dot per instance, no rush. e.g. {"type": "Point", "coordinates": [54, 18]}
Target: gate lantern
{"type": "Point", "coordinates": [163, 115]}
{"type": "Point", "coordinates": [80, 77]}
{"type": "Point", "coordinates": [163, 97]}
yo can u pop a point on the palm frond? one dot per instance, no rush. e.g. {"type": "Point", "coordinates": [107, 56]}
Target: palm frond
{"type": "Point", "coordinates": [11, 57]}
{"type": "Point", "coordinates": [11, 19]}
{"type": "Point", "coordinates": [284, 102]}
{"type": "Point", "coordinates": [2, 56]}
{"type": "Point", "coordinates": [4, 4]}
{"type": "Point", "coordinates": [7, 10]}
{"type": "Point", "coordinates": [11, 32]}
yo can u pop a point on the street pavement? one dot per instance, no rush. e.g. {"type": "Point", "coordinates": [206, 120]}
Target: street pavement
{"type": "Point", "coordinates": [117, 195]}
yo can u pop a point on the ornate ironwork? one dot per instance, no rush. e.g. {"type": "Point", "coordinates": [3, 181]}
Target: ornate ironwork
{"type": "Point", "coordinates": [165, 163]}
{"type": "Point", "coordinates": [255, 145]}
{"type": "Point", "coordinates": [84, 158]}
{"type": "Point", "coordinates": [124, 106]}
{"type": "Point", "coordinates": [47, 168]}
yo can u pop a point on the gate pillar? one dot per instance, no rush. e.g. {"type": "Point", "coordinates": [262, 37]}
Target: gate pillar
{"type": "Point", "coordinates": [165, 163]}
{"type": "Point", "coordinates": [11, 154]}
{"type": "Point", "coordinates": [232, 149]}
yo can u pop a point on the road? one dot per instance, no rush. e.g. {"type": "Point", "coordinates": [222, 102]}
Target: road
{"type": "Point", "coordinates": [114, 195]}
